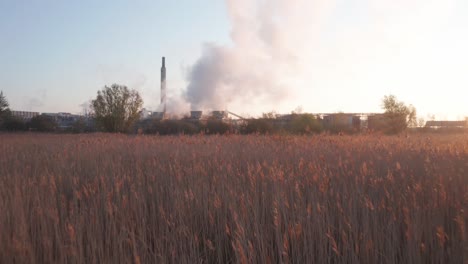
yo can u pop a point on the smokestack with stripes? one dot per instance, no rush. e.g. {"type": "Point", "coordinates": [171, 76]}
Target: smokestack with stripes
{"type": "Point", "coordinates": [163, 84]}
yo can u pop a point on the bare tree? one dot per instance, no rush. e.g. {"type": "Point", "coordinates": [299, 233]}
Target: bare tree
{"type": "Point", "coordinates": [421, 122]}
{"type": "Point", "coordinates": [3, 104]}
{"type": "Point", "coordinates": [4, 110]}
{"type": "Point", "coordinates": [116, 108]}
{"type": "Point", "coordinates": [398, 116]}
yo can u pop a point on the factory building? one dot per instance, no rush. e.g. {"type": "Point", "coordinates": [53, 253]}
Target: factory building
{"type": "Point", "coordinates": [158, 115]}
{"type": "Point", "coordinates": [63, 120]}
{"type": "Point", "coordinates": [145, 114]}
{"type": "Point", "coordinates": [376, 122]}
{"type": "Point", "coordinates": [196, 115]}
{"type": "Point", "coordinates": [24, 115]}
{"type": "Point", "coordinates": [341, 121]}
{"type": "Point", "coordinates": [219, 115]}
{"type": "Point", "coordinates": [447, 124]}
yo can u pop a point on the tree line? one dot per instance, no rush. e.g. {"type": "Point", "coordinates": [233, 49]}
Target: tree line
{"type": "Point", "coordinates": [117, 109]}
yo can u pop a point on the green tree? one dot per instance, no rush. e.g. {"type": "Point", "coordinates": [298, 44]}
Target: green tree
{"type": "Point", "coordinates": [261, 126]}
{"type": "Point", "coordinates": [398, 115]}
{"type": "Point", "coordinates": [3, 104]}
{"type": "Point", "coordinates": [43, 123]}
{"type": "Point", "coordinates": [4, 110]}
{"type": "Point", "coordinates": [79, 125]}
{"type": "Point", "coordinates": [169, 127]}
{"type": "Point", "coordinates": [305, 124]}
{"type": "Point", "coordinates": [215, 126]}
{"type": "Point", "coordinates": [270, 115]}
{"type": "Point", "coordinates": [116, 108]}
{"type": "Point", "coordinates": [12, 123]}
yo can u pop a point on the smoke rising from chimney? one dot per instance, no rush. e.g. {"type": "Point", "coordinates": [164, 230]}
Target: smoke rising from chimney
{"type": "Point", "coordinates": [34, 103]}
{"type": "Point", "coordinates": [268, 39]}
{"type": "Point", "coordinates": [283, 49]}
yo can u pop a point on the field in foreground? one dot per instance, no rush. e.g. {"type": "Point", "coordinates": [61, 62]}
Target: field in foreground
{"type": "Point", "coordinates": [233, 199]}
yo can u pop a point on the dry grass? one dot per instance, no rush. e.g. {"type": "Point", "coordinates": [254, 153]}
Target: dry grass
{"type": "Point", "coordinates": [233, 199]}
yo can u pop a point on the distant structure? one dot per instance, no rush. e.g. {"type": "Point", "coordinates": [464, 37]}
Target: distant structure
{"type": "Point", "coordinates": [447, 124]}
{"type": "Point", "coordinates": [63, 120]}
{"type": "Point", "coordinates": [219, 115]}
{"type": "Point", "coordinates": [196, 115]}
{"type": "Point", "coordinates": [144, 114]}
{"type": "Point", "coordinates": [24, 115]}
{"type": "Point", "coordinates": [342, 121]}
{"type": "Point", "coordinates": [158, 115]}
{"type": "Point", "coordinates": [376, 122]}
{"type": "Point", "coordinates": [163, 84]}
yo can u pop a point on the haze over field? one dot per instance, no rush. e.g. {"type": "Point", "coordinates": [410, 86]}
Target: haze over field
{"type": "Point", "coordinates": [246, 56]}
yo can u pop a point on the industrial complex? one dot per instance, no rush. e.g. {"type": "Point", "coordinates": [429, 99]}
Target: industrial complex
{"type": "Point", "coordinates": [329, 121]}
{"type": "Point", "coordinates": [354, 121]}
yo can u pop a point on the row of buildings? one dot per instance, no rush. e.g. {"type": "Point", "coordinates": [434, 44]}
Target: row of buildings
{"type": "Point", "coordinates": [63, 120]}
{"type": "Point", "coordinates": [331, 121]}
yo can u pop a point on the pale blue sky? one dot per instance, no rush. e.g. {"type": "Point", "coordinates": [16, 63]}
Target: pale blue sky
{"type": "Point", "coordinates": [55, 55]}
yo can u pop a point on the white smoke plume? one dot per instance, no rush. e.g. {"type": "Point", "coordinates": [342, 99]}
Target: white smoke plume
{"type": "Point", "coordinates": [282, 49]}
{"type": "Point", "coordinates": [33, 103]}
{"type": "Point", "coordinates": [268, 39]}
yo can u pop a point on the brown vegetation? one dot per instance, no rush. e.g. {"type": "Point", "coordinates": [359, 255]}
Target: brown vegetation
{"type": "Point", "coordinates": [233, 199]}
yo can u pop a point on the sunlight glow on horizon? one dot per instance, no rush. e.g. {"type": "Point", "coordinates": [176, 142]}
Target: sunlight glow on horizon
{"type": "Point", "coordinates": [341, 56]}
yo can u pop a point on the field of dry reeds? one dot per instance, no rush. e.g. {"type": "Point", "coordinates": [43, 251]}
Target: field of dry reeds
{"type": "Point", "coordinates": [233, 199]}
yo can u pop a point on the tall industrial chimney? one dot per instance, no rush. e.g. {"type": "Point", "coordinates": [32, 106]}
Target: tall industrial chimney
{"type": "Point", "coordinates": [163, 84]}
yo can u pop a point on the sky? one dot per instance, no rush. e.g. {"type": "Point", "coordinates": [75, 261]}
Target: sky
{"type": "Point", "coordinates": [246, 56]}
